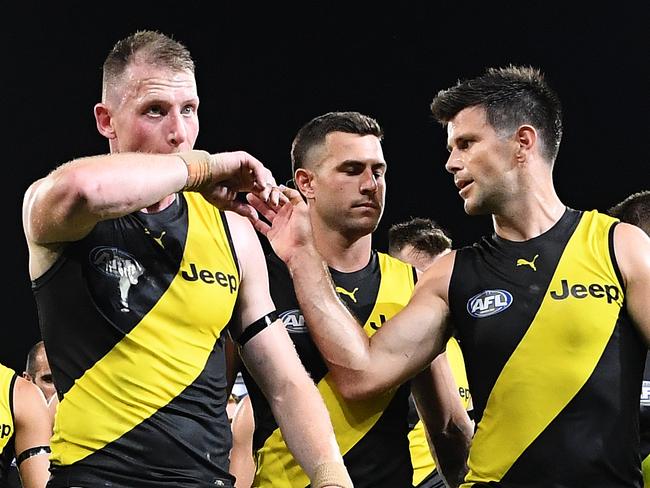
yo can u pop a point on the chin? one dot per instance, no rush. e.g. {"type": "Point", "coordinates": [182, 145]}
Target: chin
{"type": "Point", "coordinates": [467, 206]}
{"type": "Point", "coordinates": [363, 228]}
{"type": "Point", "coordinates": [473, 209]}
{"type": "Point", "coordinates": [367, 228]}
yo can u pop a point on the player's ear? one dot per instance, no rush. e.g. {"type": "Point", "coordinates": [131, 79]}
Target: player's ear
{"type": "Point", "coordinates": [304, 182]}
{"type": "Point", "coordinates": [104, 121]}
{"type": "Point", "coordinates": [526, 138]}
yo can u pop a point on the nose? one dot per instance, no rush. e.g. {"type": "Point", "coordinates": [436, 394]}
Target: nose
{"type": "Point", "coordinates": [368, 182]}
{"type": "Point", "coordinates": [454, 163]}
{"type": "Point", "coordinates": [176, 131]}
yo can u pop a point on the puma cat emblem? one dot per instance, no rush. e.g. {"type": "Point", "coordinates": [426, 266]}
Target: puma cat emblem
{"type": "Point", "coordinates": [348, 293]}
{"type": "Point", "coordinates": [523, 262]}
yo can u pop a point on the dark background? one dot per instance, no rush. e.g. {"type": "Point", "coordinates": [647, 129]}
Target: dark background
{"type": "Point", "coordinates": [265, 70]}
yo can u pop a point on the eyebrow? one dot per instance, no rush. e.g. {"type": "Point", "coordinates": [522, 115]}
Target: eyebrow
{"type": "Point", "coordinates": [358, 162]}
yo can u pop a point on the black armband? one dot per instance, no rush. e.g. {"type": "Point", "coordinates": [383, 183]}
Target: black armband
{"type": "Point", "coordinates": [31, 452]}
{"type": "Point", "coordinates": [256, 327]}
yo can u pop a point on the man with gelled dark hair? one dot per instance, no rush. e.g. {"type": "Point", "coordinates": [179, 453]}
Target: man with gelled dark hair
{"type": "Point", "coordinates": [551, 311]}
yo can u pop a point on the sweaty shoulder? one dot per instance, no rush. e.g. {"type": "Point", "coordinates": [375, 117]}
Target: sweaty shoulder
{"type": "Point", "coordinates": [41, 255]}
{"type": "Point", "coordinates": [28, 401]}
{"type": "Point", "coordinates": [238, 224]}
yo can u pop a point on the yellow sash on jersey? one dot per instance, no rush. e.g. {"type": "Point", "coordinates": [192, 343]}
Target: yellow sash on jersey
{"type": "Point", "coordinates": [276, 467]}
{"type": "Point", "coordinates": [159, 357]}
{"type": "Point", "coordinates": [6, 418]}
{"type": "Point", "coordinates": [554, 359]}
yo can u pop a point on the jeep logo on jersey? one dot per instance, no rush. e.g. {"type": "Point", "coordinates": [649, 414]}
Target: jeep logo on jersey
{"type": "Point", "coordinates": [611, 292]}
{"type": "Point", "coordinates": [5, 431]}
{"type": "Point", "coordinates": [294, 321]}
{"type": "Point", "coordinates": [488, 302]}
{"type": "Point", "coordinates": [209, 277]}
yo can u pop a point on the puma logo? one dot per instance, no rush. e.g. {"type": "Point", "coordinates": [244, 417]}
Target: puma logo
{"type": "Point", "coordinates": [348, 293]}
{"type": "Point", "coordinates": [523, 262]}
{"type": "Point", "coordinates": [157, 239]}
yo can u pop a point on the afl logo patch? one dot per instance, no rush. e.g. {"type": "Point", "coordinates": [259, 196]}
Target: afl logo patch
{"type": "Point", "coordinates": [488, 302]}
{"type": "Point", "coordinates": [293, 321]}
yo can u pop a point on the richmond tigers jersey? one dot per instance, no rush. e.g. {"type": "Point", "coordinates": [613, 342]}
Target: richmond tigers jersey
{"type": "Point", "coordinates": [7, 428]}
{"type": "Point", "coordinates": [132, 333]}
{"type": "Point", "coordinates": [553, 361]}
{"type": "Point", "coordinates": [372, 434]}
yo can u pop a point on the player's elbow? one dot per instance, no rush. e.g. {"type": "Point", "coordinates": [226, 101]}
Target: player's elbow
{"type": "Point", "coordinates": [49, 202]}
{"type": "Point", "coordinates": [355, 386]}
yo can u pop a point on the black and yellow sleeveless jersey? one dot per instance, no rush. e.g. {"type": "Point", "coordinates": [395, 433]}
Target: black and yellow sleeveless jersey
{"type": "Point", "coordinates": [371, 434]}
{"type": "Point", "coordinates": [553, 360]}
{"type": "Point", "coordinates": [132, 317]}
{"type": "Point", "coordinates": [7, 429]}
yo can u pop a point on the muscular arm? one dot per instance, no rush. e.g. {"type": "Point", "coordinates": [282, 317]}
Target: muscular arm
{"type": "Point", "coordinates": [273, 362]}
{"type": "Point", "coordinates": [360, 366]}
{"type": "Point", "coordinates": [448, 427]}
{"type": "Point", "coordinates": [242, 464]}
{"type": "Point", "coordinates": [65, 205]}
{"type": "Point", "coordinates": [33, 429]}
{"type": "Point", "coordinates": [632, 248]}
{"type": "Point", "coordinates": [364, 366]}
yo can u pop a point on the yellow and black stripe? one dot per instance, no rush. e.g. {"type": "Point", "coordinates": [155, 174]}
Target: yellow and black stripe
{"type": "Point", "coordinates": [555, 369]}
{"type": "Point", "coordinates": [7, 428]}
{"type": "Point", "coordinates": [372, 434]}
{"type": "Point", "coordinates": [132, 317]}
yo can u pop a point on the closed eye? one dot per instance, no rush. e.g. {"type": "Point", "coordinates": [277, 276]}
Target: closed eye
{"type": "Point", "coordinates": [357, 167]}
{"type": "Point", "coordinates": [461, 143]}
{"type": "Point", "coordinates": [464, 144]}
